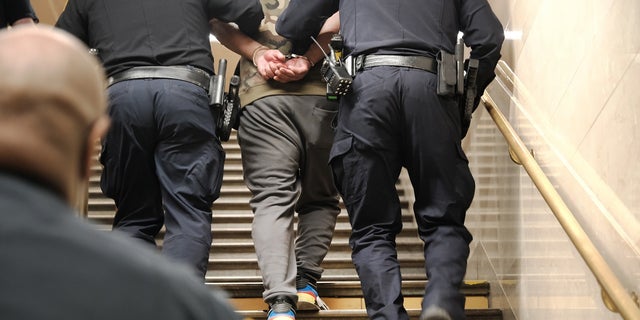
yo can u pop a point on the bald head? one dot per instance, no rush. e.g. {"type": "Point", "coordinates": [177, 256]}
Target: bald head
{"type": "Point", "coordinates": [46, 62]}
{"type": "Point", "coordinates": [52, 92]}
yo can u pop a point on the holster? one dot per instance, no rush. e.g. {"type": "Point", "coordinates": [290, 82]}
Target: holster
{"type": "Point", "coordinates": [467, 104]}
{"type": "Point", "coordinates": [225, 105]}
{"type": "Point", "coordinates": [455, 81]}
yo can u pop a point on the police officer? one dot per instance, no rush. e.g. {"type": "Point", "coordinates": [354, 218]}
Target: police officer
{"type": "Point", "coordinates": [394, 118]}
{"type": "Point", "coordinates": [162, 161]}
{"type": "Point", "coordinates": [16, 12]}
{"type": "Point", "coordinates": [51, 116]}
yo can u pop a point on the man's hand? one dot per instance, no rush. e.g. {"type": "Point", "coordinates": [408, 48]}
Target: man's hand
{"type": "Point", "coordinates": [268, 62]}
{"type": "Point", "coordinates": [295, 69]}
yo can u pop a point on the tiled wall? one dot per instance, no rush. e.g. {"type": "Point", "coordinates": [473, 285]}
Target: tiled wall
{"type": "Point", "coordinates": [576, 106]}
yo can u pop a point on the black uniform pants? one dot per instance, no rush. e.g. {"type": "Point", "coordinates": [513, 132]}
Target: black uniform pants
{"type": "Point", "coordinates": [393, 118]}
{"type": "Point", "coordinates": [163, 165]}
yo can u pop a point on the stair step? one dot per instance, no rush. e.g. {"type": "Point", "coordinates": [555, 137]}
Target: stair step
{"type": "Point", "coordinates": [233, 202]}
{"type": "Point", "coordinates": [225, 217]}
{"type": "Point", "coordinates": [227, 177]}
{"type": "Point", "coordinates": [334, 260]}
{"type": "Point", "coordinates": [344, 297]}
{"type": "Point", "coordinates": [407, 244]}
{"type": "Point", "coordinates": [360, 314]}
{"type": "Point", "coordinates": [347, 288]}
{"type": "Point", "coordinates": [326, 278]}
{"type": "Point", "coordinates": [222, 232]}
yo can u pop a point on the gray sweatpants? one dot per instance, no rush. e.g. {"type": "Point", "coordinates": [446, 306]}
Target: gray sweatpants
{"type": "Point", "coordinates": [285, 142]}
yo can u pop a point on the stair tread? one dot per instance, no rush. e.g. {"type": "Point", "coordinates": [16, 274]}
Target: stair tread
{"type": "Point", "coordinates": [346, 288]}
{"type": "Point", "coordinates": [358, 314]}
{"type": "Point", "coordinates": [214, 280]}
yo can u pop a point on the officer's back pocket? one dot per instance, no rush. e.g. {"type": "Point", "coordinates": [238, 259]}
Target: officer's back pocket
{"type": "Point", "coordinates": [347, 169]}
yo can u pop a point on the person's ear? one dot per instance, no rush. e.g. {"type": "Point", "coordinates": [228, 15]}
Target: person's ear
{"type": "Point", "coordinates": [98, 130]}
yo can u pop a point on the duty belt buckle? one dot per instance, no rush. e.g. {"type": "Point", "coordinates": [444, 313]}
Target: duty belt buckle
{"type": "Point", "coordinates": [349, 63]}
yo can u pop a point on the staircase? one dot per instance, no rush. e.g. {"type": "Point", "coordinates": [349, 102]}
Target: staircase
{"type": "Point", "coordinates": [233, 266]}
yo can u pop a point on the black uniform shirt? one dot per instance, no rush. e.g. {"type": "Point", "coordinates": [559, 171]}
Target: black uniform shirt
{"type": "Point", "coordinates": [404, 27]}
{"type": "Point", "coordinates": [129, 33]}
{"type": "Point", "coordinates": [13, 10]}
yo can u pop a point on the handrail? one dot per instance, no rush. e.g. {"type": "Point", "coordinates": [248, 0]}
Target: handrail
{"type": "Point", "coordinates": [620, 300]}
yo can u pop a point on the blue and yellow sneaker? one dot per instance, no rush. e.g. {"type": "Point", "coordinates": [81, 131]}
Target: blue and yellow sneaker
{"type": "Point", "coordinates": [281, 309]}
{"type": "Point", "coordinates": [309, 300]}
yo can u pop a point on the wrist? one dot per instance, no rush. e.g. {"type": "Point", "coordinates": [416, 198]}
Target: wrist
{"type": "Point", "coordinates": [255, 53]}
{"type": "Point", "coordinates": [311, 64]}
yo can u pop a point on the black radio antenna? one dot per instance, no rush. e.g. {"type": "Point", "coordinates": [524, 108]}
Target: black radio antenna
{"type": "Point", "coordinates": [319, 46]}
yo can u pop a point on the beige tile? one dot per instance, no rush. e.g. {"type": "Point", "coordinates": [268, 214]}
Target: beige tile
{"type": "Point", "coordinates": [502, 9]}
{"type": "Point", "coordinates": [552, 53]}
{"type": "Point", "coordinates": [614, 46]}
{"type": "Point", "coordinates": [523, 15]}
{"type": "Point", "coordinates": [612, 146]}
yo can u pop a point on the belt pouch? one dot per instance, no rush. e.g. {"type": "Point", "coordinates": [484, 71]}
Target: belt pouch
{"type": "Point", "coordinates": [446, 74]}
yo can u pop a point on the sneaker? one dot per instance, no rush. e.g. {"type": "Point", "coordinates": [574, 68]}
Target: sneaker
{"type": "Point", "coordinates": [435, 313]}
{"type": "Point", "coordinates": [281, 309]}
{"type": "Point", "coordinates": [309, 300]}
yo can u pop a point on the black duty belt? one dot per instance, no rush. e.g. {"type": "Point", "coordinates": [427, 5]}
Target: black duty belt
{"type": "Point", "coordinates": [377, 60]}
{"type": "Point", "coordinates": [184, 73]}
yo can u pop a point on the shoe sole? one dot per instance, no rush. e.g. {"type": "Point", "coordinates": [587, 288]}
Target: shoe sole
{"type": "Point", "coordinates": [287, 317]}
{"type": "Point", "coordinates": [307, 306]}
{"type": "Point", "coordinates": [307, 302]}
